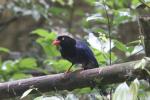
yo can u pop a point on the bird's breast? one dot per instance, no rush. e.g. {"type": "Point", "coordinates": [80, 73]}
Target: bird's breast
{"type": "Point", "coordinates": [72, 56]}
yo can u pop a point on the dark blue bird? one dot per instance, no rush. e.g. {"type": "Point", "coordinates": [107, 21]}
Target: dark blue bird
{"type": "Point", "coordinates": [76, 51]}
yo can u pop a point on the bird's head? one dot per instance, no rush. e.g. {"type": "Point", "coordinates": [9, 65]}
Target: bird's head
{"type": "Point", "coordinates": [64, 41]}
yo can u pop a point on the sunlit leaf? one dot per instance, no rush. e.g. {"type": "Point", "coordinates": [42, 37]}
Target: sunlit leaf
{"type": "Point", "coordinates": [134, 87]}
{"type": "Point", "coordinates": [71, 96]}
{"type": "Point", "coordinates": [49, 49]}
{"type": "Point", "coordinates": [45, 40]}
{"type": "Point", "coordinates": [95, 17]}
{"type": "Point", "coordinates": [83, 90]}
{"type": "Point", "coordinates": [2, 49]}
{"type": "Point", "coordinates": [59, 1]}
{"type": "Point", "coordinates": [138, 48]}
{"type": "Point", "coordinates": [49, 98]}
{"type": "Point", "coordinates": [99, 44]}
{"type": "Point", "coordinates": [99, 56]}
{"type": "Point", "coordinates": [45, 34]}
{"type": "Point", "coordinates": [70, 2]}
{"type": "Point", "coordinates": [28, 63]}
{"type": "Point", "coordinates": [120, 45]}
{"type": "Point", "coordinates": [52, 36]}
{"type": "Point", "coordinates": [94, 42]}
{"type": "Point", "coordinates": [135, 3]}
{"type": "Point", "coordinates": [17, 76]}
{"type": "Point", "coordinates": [147, 71]}
{"type": "Point", "coordinates": [61, 65]}
{"type": "Point", "coordinates": [56, 10]}
{"type": "Point", "coordinates": [134, 42]}
{"type": "Point", "coordinates": [91, 2]}
{"type": "Point", "coordinates": [26, 93]}
{"type": "Point", "coordinates": [9, 65]}
{"type": "Point", "coordinates": [41, 32]}
{"type": "Point", "coordinates": [122, 92]}
{"type": "Point", "coordinates": [141, 64]}
{"type": "Point", "coordinates": [39, 98]}
{"type": "Point", "coordinates": [122, 16]}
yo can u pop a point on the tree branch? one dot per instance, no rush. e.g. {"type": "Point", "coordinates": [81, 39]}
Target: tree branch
{"type": "Point", "coordinates": [101, 76]}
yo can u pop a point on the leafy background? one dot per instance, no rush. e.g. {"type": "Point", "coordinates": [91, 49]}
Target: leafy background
{"type": "Point", "coordinates": [28, 27]}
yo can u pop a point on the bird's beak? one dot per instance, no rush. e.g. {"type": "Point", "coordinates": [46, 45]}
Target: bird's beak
{"type": "Point", "coordinates": [56, 42]}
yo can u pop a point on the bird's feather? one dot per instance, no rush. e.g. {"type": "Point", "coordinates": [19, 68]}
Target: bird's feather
{"type": "Point", "coordinates": [86, 53]}
{"type": "Point", "coordinates": [77, 52]}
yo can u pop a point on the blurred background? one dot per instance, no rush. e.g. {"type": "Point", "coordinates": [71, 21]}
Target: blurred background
{"type": "Point", "coordinates": [28, 27]}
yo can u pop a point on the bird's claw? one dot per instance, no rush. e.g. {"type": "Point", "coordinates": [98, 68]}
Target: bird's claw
{"type": "Point", "coordinates": [67, 72]}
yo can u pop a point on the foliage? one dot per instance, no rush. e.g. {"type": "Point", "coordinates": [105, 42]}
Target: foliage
{"type": "Point", "coordinates": [104, 19]}
{"type": "Point", "coordinates": [124, 92]}
{"type": "Point", "coordinates": [27, 92]}
{"type": "Point", "coordinates": [45, 40]}
{"type": "Point", "coordinates": [14, 69]}
{"type": "Point", "coordinates": [4, 50]}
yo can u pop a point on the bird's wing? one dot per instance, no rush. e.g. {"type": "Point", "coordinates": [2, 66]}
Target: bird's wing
{"type": "Point", "coordinates": [86, 51]}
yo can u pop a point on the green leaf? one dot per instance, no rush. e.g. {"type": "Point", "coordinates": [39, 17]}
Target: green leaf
{"type": "Point", "coordinates": [120, 45]}
{"type": "Point", "coordinates": [1, 63]}
{"type": "Point", "coordinates": [61, 65]}
{"type": "Point", "coordinates": [135, 3]}
{"type": "Point", "coordinates": [52, 36]}
{"type": "Point", "coordinates": [121, 16]}
{"type": "Point", "coordinates": [130, 49]}
{"type": "Point", "coordinates": [141, 64]}
{"type": "Point", "coordinates": [147, 71]}
{"type": "Point", "coordinates": [41, 32]}
{"type": "Point", "coordinates": [26, 93]}
{"type": "Point", "coordinates": [57, 11]}
{"type": "Point", "coordinates": [135, 42]}
{"type": "Point", "coordinates": [2, 49]}
{"type": "Point", "coordinates": [95, 17]}
{"type": "Point", "coordinates": [122, 92]}
{"type": "Point", "coordinates": [62, 2]}
{"type": "Point", "coordinates": [83, 90]}
{"type": "Point", "coordinates": [39, 98]}
{"type": "Point", "coordinates": [17, 76]}
{"type": "Point", "coordinates": [45, 40]}
{"type": "Point", "coordinates": [50, 98]}
{"type": "Point", "coordinates": [9, 65]}
{"type": "Point", "coordinates": [49, 49]}
{"type": "Point", "coordinates": [90, 2]}
{"type": "Point", "coordinates": [101, 58]}
{"type": "Point", "coordinates": [45, 34]}
{"type": "Point", "coordinates": [134, 87]}
{"type": "Point", "coordinates": [28, 63]}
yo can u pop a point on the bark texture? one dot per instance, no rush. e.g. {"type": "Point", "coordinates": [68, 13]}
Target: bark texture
{"type": "Point", "coordinates": [99, 76]}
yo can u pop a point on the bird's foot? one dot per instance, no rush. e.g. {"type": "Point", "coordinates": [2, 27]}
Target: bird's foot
{"type": "Point", "coordinates": [67, 72]}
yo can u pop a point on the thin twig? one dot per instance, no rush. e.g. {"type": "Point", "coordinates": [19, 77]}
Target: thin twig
{"type": "Point", "coordinates": [109, 28]}
{"type": "Point", "coordinates": [118, 61]}
{"type": "Point", "coordinates": [70, 22]}
{"type": "Point", "coordinates": [144, 3]}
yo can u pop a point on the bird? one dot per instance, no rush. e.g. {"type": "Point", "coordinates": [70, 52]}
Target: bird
{"type": "Point", "coordinates": [76, 51]}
